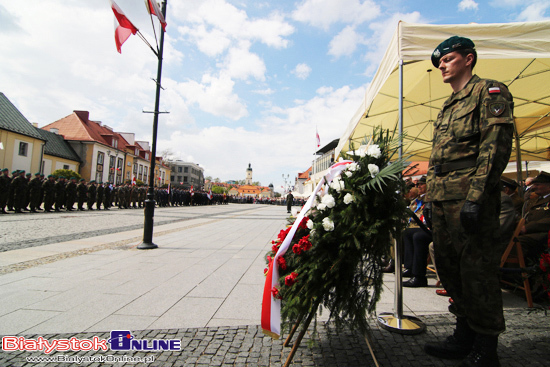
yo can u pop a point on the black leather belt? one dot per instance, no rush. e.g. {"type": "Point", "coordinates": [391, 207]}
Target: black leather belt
{"type": "Point", "coordinates": [441, 169]}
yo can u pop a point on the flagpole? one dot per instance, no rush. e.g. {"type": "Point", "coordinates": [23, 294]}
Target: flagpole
{"type": "Point", "coordinates": [147, 242]}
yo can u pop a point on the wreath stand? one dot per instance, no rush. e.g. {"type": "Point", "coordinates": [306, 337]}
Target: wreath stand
{"type": "Point", "coordinates": [303, 332]}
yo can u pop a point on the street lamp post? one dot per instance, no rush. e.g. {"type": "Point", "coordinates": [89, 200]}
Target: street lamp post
{"type": "Point", "coordinates": [147, 242]}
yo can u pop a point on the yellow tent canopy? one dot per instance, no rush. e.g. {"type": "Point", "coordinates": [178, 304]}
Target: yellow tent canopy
{"type": "Point", "coordinates": [517, 54]}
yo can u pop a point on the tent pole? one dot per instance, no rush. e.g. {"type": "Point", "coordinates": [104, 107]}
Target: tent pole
{"type": "Point", "coordinates": [518, 157]}
{"type": "Point", "coordinates": [397, 322]}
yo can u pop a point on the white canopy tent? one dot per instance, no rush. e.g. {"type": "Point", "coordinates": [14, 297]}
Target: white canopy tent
{"type": "Point", "coordinates": [517, 54]}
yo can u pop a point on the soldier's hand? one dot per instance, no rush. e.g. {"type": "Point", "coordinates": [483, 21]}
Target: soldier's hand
{"type": "Point", "coordinates": [427, 213]}
{"type": "Point", "coordinates": [469, 216]}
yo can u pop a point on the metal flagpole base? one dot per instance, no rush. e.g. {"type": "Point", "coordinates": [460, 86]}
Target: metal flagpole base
{"type": "Point", "coordinates": [405, 325]}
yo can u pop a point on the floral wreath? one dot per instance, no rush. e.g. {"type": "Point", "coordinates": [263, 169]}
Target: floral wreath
{"type": "Point", "coordinates": [339, 247]}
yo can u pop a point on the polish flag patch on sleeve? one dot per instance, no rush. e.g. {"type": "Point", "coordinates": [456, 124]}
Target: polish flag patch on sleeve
{"type": "Point", "coordinates": [494, 90]}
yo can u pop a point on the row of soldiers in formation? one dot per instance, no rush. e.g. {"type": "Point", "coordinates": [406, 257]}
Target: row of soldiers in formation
{"type": "Point", "coordinates": [19, 192]}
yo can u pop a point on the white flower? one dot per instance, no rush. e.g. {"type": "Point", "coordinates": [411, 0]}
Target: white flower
{"type": "Point", "coordinates": [329, 201]}
{"type": "Point", "coordinates": [353, 167]}
{"type": "Point", "coordinates": [337, 184]}
{"type": "Point", "coordinates": [349, 174]}
{"type": "Point", "coordinates": [374, 151]}
{"type": "Point", "coordinates": [328, 224]}
{"type": "Point", "coordinates": [321, 206]}
{"type": "Point", "coordinates": [309, 224]}
{"type": "Point", "coordinates": [373, 169]}
{"type": "Point", "coordinates": [348, 198]}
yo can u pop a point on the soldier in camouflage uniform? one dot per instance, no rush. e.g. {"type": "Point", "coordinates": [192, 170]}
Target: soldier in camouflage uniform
{"type": "Point", "coordinates": [91, 195]}
{"type": "Point", "coordinates": [107, 196]}
{"type": "Point", "coordinates": [471, 147]}
{"type": "Point", "coordinates": [19, 185]}
{"type": "Point", "coordinates": [35, 189]}
{"type": "Point", "coordinates": [60, 196]}
{"type": "Point", "coordinates": [5, 181]}
{"type": "Point", "coordinates": [99, 195]}
{"type": "Point", "coordinates": [70, 191]}
{"type": "Point", "coordinates": [81, 193]}
{"type": "Point", "coordinates": [48, 187]}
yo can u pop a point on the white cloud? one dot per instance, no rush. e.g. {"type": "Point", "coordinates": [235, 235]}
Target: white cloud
{"type": "Point", "coordinates": [264, 92]}
{"type": "Point", "coordinates": [467, 5]}
{"type": "Point", "coordinates": [214, 95]}
{"type": "Point", "coordinates": [240, 63]}
{"type": "Point", "coordinates": [345, 42]}
{"type": "Point", "coordinates": [302, 71]}
{"type": "Point", "coordinates": [324, 13]}
{"type": "Point", "coordinates": [534, 12]}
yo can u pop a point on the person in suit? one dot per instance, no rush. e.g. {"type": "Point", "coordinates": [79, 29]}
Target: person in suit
{"type": "Point", "coordinates": [289, 201]}
{"type": "Point", "coordinates": [534, 234]}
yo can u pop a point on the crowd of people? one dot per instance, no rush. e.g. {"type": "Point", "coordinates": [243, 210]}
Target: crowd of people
{"type": "Point", "coordinates": [20, 192]}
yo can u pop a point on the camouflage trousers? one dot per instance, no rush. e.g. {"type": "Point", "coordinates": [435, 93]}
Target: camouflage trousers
{"type": "Point", "coordinates": [468, 264]}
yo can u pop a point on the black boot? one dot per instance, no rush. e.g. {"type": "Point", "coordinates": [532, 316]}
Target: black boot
{"type": "Point", "coordinates": [484, 352]}
{"type": "Point", "coordinates": [456, 346]}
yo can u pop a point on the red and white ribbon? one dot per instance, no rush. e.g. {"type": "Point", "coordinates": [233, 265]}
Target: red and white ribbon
{"type": "Point", "coordinates": [271, 306]}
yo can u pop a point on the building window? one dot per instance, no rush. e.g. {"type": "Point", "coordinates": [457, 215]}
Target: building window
{"type": "Point", "coordinates": [100, 157]}
{"type": "Point", "coordinates": [172, 178]}
{"type": "Point", "coordinates": [65, 166]}
{"type": "Point", "coordinates": [179, 179]}
{"type": "Point", "coordinates": [179, 169]}
{"type": "Point", "coordinates": [184, 178]}
{"type": "Point", "coordinates": [135, 168]}
{"type": "Point", "coordinates": [23, 148]}
{"type": "Point", "coordinates": [185, 169]}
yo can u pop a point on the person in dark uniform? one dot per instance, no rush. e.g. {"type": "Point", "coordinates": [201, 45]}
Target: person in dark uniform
{"type": "Point", "coordinates": [35, 189]}
{"type": "Point", "coordinates": [534, 234]}
{"type": "Point", "coordinates": [5, 181]}
{"type": "Point", "coordinates": [60, 197]}
{"type": "Point", "coordinates": [19, 185]}
{"type": "Point", "coordinates": [107, 196]}
{"type": "Point", "coordinates": [27, 200]}
{"type": "Point", "coordinates": [48, 187]}
{"type": "Point", "coordinates": [472, 142]}
{"type": "Point", "coordinates": [11, 193]}
{"type": "Point", "coordinates": [510, 188]}
{"type": "Point", "coordinates": [289, 200]}
{"type": "Point", "coordinates": [81, 193]}
{"type": "Point", "coordinates": [91, 195]}
{"type": "Point", "coordinates": [99, 195]}
{"type": "Point", "coordinates": [70, 192]}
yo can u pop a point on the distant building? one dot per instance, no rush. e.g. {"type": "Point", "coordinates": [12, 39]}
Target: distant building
{"type": "Point", "coordinates": [58, 154]}
{"type": "Point", "coordinates": [21, 146]}
{"type": "Point", "coordinates": [186, 174]}
{"type": "Point", "coordinates": [248, 180]}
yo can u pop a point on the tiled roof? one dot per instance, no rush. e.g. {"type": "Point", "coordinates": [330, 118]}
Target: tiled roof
{"type": "Point", "coordinates": [57, 146]}
{"type": "Point", "coordinates": [13, 120]}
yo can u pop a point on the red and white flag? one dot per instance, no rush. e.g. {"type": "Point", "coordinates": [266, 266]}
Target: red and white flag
{"type": "Point", "coordinates": [133, 180]}
{"type": "Point", "coordinates": [318, 138]}
{"type": "Point", "coordinates": [123, 26]}
{"type": "Point", "coordinates": [191, 191]}
{"type": "Point", "coordinates": [271, 306]}
{"type": "Point", "coordinates": [209, 195]}
{"type": "Point", "coordinates": [153, 9]}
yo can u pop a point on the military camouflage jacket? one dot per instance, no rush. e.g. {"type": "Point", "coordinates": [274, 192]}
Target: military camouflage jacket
{"type": "Point", "coordinates": [475, 127]}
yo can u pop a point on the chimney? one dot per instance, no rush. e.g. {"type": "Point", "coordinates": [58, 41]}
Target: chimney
{"type": "Point", "coordinates": [83, 115]}
{"type": "Point", "coordinates": [35, 124]}
{"type": "Point", "coordinates": [54, 130]}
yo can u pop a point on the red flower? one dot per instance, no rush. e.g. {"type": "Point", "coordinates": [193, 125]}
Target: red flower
{"type": "Point", "coordinates": [283, 233]}
{"type": "Point", "coordinates": [275, 248]}
{"type": "Point", "coordinates": [265, 271]}
{"type": "Point", "coordinates": [281, 262]}
{"type": "Point", "coordinates": [303, 223]}
{"type": "Point", "coordinates": [297, 249]}
{"type": "Point", "coordinates": [275, 292]}
{"type": "Point", "coordinates": [291, 279]}
{"type": "Point", "coordinates": [304, 243]}
{"type": "Point", "coordinates": [269, 259]}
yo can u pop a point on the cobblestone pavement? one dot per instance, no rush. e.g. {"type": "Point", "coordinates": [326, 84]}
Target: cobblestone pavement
{"type": "Point", "coordinates": [37, 229]}
{"type": "Point", "coordinates": [526, 343]}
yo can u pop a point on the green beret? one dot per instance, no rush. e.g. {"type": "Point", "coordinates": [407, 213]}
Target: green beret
{"type": "Point", "coordinates": [5, 170]}
{"type": "Point", "coordinates": [50, 176]}
{"type": "Point", "coordinates": [101, 182]}
{"type": "Point", "coordinates": [37, 174]}
{"type": "Point", "coordinates": [82, 180]}
{"type": "Point", "coordinates": [454, 43]}
{"type": "Point", "coordinates": [28, 174]}
{"type": "Point", "coordinates": [92, 181]}
{"type": "Point", "coordinates": [14, 172]}
{"type": "Point", "coordinates": [73, 178]}
{"type": "Point", "coordinates": [61, 176]}
{"type": "Point", "coordinates": [543, 177]}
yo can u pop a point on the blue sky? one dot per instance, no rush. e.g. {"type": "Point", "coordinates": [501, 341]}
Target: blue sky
{"type": "Point", "coordinates": [245, 81]}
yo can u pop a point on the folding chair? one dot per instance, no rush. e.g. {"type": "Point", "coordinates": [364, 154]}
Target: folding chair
{"type": "Point", "coordinates": [508, 258]}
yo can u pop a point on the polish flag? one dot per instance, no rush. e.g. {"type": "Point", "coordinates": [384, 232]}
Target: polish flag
{"type": "Point", "coordinates": [271, 306]}
{"type": "Point", "coordinates": [191, 191]}
{"type": "Point", "coordinates": [210, 195]}
{"type": "Point", "coordinates": [318, 138]}
{"type": "Point", "coordinates": [153, 9]}
{"type": "Point", "coordinates": [123, 26]}
{"type": "Point", "coordinates": [133, 180]}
